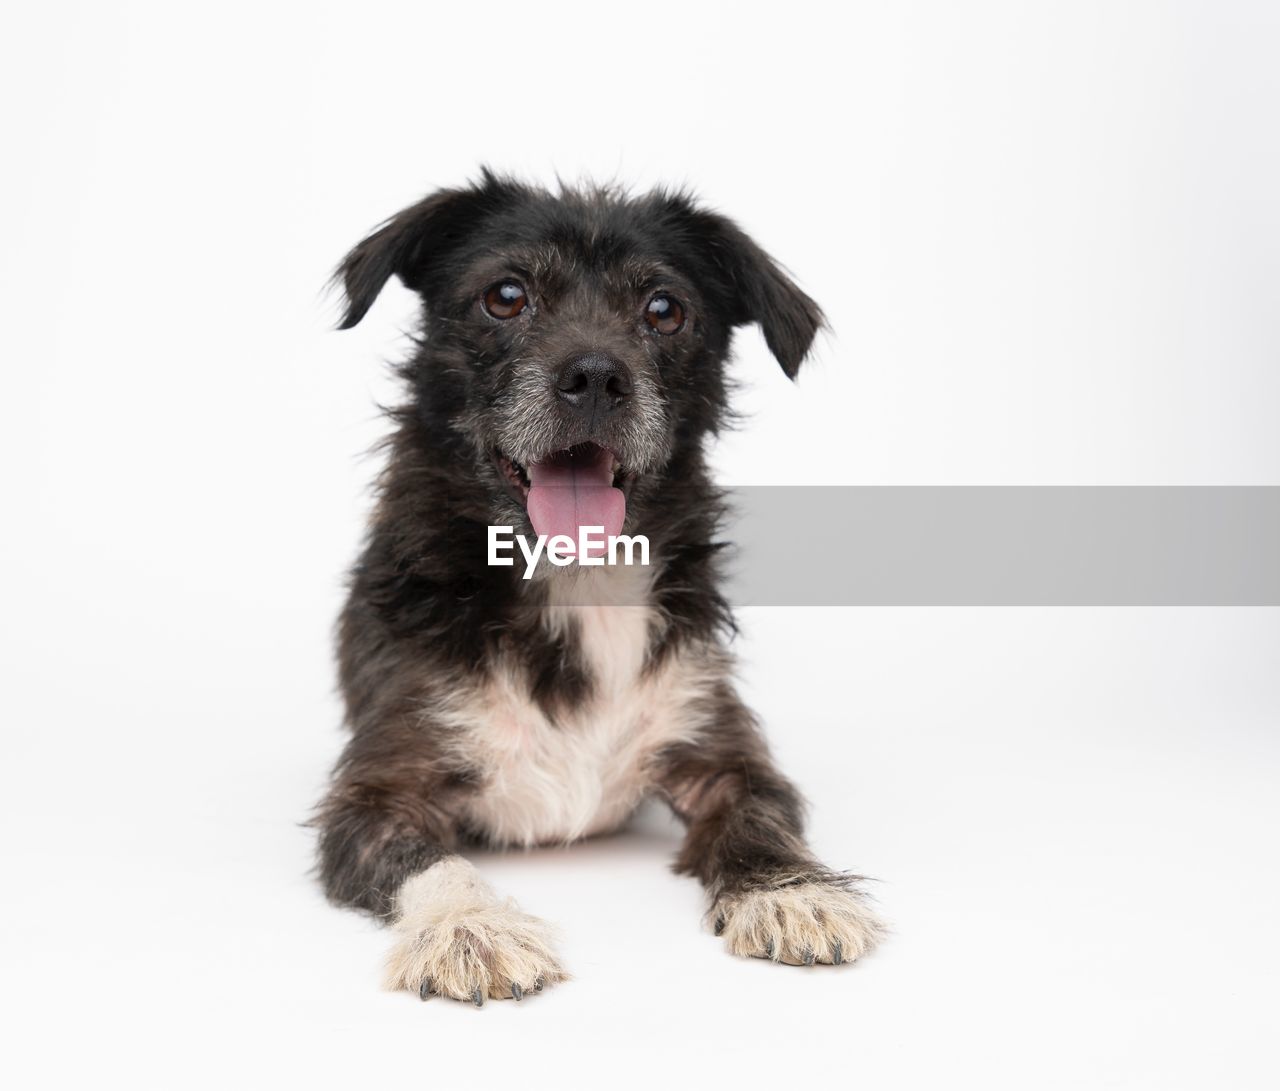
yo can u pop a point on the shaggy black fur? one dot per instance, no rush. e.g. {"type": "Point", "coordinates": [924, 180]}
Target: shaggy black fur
{"type": "Point", "coordinates": [425, 610]}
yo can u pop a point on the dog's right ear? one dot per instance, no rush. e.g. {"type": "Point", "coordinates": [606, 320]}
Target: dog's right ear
{"type": "Point", "coordinates": [413, 242]}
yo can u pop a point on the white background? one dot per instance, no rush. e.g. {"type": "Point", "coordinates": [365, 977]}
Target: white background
{"type": "Point", "coordinates": [1046, 237]}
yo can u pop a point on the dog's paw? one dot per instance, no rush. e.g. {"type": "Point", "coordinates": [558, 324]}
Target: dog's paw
{"type": "Point", "coordinates": [458, 939]}
{"type": "Point", "coordinates": [799, 924]}
{"type": "Point", "coordinates": [491, 951]}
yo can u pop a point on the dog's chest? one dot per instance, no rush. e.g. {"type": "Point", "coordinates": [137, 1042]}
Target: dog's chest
{"type": "Point", "coordinates": [584, 773]}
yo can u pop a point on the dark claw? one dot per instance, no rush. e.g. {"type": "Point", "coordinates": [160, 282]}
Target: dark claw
{"type": "Point", "coordinates": [768, 949]}
{"type": "Point", "coordinates": [719, 925]}
{"type": "Point", "coordinates": [477, 998]}
{"type": "Point", "coordinates": [517, 993]}
{"type": "Point", "coordinates": [837, 953]}
{"type": "Point", "coordinates": [424, 990]}
{"type": "Point", "coordinates": [808, 956]}
{"type": "Point", "coordinates": [537, 985]}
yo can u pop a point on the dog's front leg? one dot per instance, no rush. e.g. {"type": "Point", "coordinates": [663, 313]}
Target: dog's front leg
{"type": "Point", "coordinates": [387, 849]}
{"type": "Point", "coordinates": [769, 897]}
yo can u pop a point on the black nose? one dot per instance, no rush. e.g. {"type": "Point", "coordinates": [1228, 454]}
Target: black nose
{"type": "Point", "coordinates": [593, 383]}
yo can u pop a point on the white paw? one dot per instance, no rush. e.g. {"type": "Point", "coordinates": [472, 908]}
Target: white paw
{"type": "Point", "coordinates": [458, 940]}
{"type": "Point", "coordinates": [496, 952]}
{"type": "Point", "coordinates": [798, 924]}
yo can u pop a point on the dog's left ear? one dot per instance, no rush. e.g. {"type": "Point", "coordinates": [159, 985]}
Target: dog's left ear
{"type": "Point", "coordinates": [413, 243]}
{"type": "Point", "coordinates": [746, 285]}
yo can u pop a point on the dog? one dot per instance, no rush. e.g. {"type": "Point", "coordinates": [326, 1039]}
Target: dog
{"type": "Point", "coordinates": [569, 370]}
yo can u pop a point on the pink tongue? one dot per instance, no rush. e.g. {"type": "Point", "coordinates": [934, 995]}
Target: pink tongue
{"type": "Point", "coordinates": [572, 490]}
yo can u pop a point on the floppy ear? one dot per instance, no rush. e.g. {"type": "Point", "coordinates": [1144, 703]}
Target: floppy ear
{"type": "Point", "coordinates": [752, 287]}
{"type": "Point", "coordinates": [412, 241]}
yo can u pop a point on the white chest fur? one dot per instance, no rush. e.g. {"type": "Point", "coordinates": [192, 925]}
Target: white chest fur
{"type": "Point", "coordinates": [547, 781]}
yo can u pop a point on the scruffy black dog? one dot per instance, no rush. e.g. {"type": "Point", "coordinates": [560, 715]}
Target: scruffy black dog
{"type": "Point", "coordinates": [570, 369]}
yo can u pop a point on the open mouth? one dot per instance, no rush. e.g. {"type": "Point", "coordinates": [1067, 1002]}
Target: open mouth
{"type": "Point", "coordinates": [564, 491]}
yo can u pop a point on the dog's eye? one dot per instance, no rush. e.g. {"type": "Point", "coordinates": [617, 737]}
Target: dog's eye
{"type": "Point", "coordinates": [664, 313]}
{"type": "Point", "coordinates": [506, 299]}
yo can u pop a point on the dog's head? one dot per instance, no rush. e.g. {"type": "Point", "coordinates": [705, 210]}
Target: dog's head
{"type": "Point", "coordinates": [576, 338]}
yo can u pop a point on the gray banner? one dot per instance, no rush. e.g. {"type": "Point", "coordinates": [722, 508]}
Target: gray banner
{"type": "Point", "coordinates": [1004, 546]}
